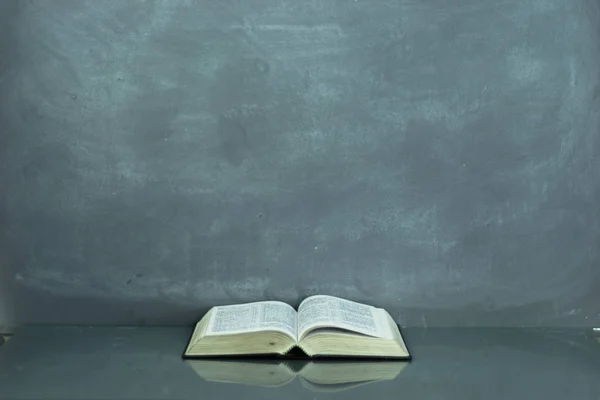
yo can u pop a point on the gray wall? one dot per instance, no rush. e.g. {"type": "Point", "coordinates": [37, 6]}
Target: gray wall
{"type": "Point", "coordinates": [6, 305]}
{"type": "Point", "coordinates": [436, 158]}
{"type": "Point", "coordinates": [6, 319]}
{"type": "Point", "coordinates": [7, 10]}
{"type": "Point", "coordinates": [6, 315]}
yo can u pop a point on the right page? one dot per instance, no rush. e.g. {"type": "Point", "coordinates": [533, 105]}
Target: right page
{"type": "Point", "coordinates": [332, 312]}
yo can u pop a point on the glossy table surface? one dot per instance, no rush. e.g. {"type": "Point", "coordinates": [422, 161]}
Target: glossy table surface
{"type": "Point", "coordinates": [145, 363]}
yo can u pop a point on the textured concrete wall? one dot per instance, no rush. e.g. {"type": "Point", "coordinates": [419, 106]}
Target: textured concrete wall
{"type": "Point", "coordinates": [6, 320]}
{"type": "Point", "coordinates": [6, 303]}
{"type": "Point", "coordinates": [7, 11]}
{"type": "Point", "coordinates": [436, 158]}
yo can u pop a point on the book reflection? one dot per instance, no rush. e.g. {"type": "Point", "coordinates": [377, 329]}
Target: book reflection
{"type": "Point", "coordinates": [320, 376]}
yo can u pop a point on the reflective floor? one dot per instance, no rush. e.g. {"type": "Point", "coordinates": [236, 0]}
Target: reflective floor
{"type": "Point", "coordinates": [145, 363]}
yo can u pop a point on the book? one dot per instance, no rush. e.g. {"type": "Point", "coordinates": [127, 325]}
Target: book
{"type": "Point", "coordinates": [319, 376]}
{"type": "Point", "coordinates": [323, 326]}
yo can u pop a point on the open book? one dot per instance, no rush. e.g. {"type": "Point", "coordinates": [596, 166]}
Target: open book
{"type": "Point", "coordinates": [323, 326]}
{"type": "Point", "coordinates": [322, 376]}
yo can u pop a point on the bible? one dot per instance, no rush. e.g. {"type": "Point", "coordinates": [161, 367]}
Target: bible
{"type": "Point", "coordinates": [323, 326]}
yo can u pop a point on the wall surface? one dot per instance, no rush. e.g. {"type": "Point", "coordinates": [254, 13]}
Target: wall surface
{"type": "Point", "coordinates": [438, 158]}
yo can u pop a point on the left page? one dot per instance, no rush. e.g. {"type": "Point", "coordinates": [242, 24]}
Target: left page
{"type": "Point", "coordinates": [253, 317]}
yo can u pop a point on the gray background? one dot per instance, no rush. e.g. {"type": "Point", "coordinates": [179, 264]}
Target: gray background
{"type": "Point", "coordinates": [437, 158]}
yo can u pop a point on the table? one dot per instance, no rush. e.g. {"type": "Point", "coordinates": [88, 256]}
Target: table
{"type": "Point", "coordinates": [72, 362]}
